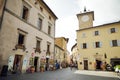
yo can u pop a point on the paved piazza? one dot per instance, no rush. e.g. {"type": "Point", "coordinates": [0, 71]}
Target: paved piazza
{"type": "Point", "coordinates": [64, 74]}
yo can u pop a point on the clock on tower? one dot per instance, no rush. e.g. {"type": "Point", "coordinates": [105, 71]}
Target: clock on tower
{"type": "Point", "coordinates": [85, 19]}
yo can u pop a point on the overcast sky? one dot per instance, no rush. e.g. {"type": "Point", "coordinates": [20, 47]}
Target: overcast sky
{"type": "Point", "coordinates": [105, 11]}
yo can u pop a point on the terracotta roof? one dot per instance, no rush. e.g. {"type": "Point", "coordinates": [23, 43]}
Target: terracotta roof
{"type": "Point", "coordinates": [59, 47]}
{"type": "Point", "coordinates": [66, 39]}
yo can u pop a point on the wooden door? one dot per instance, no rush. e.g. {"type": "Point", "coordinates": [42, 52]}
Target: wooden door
{"type": "Point", "coordinates": [85, 64]}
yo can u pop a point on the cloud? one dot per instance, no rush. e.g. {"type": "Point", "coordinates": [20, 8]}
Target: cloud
{"type": "Point", "coordinates": [67, 24]}
{"type": "Point", "coordinates": [105, 11]}
{"type": "Point", "coordinates": [67, 27]}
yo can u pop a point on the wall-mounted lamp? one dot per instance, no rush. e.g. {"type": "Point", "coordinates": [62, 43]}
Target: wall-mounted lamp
{"type": "Point", "coordinates": [13, 49]}
{"type": "Point", "coordinates": [26, 51]}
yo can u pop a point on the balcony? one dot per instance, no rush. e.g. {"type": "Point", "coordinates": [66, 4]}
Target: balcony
{"type": "Point", "coordinates": [37, 50]}
{"type": "Point", "coordinates": [20, 46]}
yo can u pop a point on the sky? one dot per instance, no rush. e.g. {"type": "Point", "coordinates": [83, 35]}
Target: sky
{"type": "Point", "coordinates": [105, 11]}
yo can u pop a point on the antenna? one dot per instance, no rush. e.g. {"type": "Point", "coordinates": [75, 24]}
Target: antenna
{"type": "Point", "coordinates": [85, 9]}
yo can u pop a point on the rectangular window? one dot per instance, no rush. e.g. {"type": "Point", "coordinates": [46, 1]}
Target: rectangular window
{"type": "Point", "coordinates": [21, 39]}
{"type": "Point", "coordinates": [25, 13]}
{"type": "Point", "coordinates": [97, 44]}
{"type": "Point", "coordinates": [37, 46]}
{"type": "Point", "coordinates": [114, 43]}
{"type": "Point", "coordinates": [48, 49]}
{"type": "Point", "coordinates": [20, 44]}
{"type": "Point", "coordinates": [112, 30]}
{"type": "Point", "coordinates": [84, 45]}
{"type": "Point", "coordinates": [49, 30]}
{"type": "Point", "coordinates": [39, 23]}
{"type": "Point", "coordinates": [96, 33]}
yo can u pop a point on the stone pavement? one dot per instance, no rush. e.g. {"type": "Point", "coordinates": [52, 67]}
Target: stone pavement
{"type": "Point", "coordinates": [64, 74]}
{"type": "Point", "coordinates": [98, 73]}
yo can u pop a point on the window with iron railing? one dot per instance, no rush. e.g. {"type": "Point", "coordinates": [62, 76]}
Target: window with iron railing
{"type": "Point", "coordinates": [37, 49]}
{"type": "Point", "coordinates": [20, 44]}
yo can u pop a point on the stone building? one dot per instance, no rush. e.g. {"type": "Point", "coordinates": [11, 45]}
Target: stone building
{"type": "Point", "coordinates": [27, 34]}
{"type": "Point", "coordinates": [74, 51]}
{"type": "Point", "coordinates": [62, 43]}
{"type": "Point", "coordinates": [97, 44]}
{"type": "Point", "coordinates": [2, 3]}
{"type": "Point", "coordinates": [59, 54]}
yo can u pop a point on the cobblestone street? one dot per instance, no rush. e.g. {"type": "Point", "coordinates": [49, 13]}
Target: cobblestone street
{"type": "Point", "coordinates": [64, 74]}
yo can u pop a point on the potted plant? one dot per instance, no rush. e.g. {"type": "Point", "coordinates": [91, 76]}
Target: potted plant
{"type": "Point", "coordinates": [42, 68]}
{"type": "Point", "coordinates": [32, 69]}
{"type": "Point", "coordinates": [117, 68]}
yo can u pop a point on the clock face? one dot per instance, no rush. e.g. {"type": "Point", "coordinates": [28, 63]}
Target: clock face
{"type": "Point", "coordinates": [85, 18]}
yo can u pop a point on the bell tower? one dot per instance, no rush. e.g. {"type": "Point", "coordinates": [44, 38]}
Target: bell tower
{"type": "Point", "coordinates": [85, 19]}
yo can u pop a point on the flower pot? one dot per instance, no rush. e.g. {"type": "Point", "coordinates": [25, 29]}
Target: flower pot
{"type": "Point", "coordinates": [32, 69]}
{"type": "Point", "coordinates": [42, 69]}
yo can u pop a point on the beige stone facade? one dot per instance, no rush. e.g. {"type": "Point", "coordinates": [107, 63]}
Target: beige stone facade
{"type": "Point", "coordinates": [59, 54]}
{"type": "Point", "coordinates": [27, 34]}
{"type": "Point", "coordinates": [97, 44]}
{"type": "Point", "coordinates": [74, 51]}
{"type": "Point", "coordinates": [2, 3]}
{"type": "Point", "coordinates": [62, 43]}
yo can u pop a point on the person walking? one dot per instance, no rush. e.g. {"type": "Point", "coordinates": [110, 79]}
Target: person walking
{"type": "Point", "coordinates": [71, 64]}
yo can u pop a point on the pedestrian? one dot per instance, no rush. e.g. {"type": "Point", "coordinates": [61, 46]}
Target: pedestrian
{"type": "Point", "coordinates": [103, 66]}
{"type": "Point", "coordinates": [60, 65]}
{"type": "Point", "coordinates": [76, 65]}
{"type": "Point", "coordinates": [47, 67]}
{"type": "Point", "coordinates": [71, 65]}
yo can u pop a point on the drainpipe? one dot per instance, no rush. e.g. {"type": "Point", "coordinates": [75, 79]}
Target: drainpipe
{"type": "Point", "coordinates": [4, 5]}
